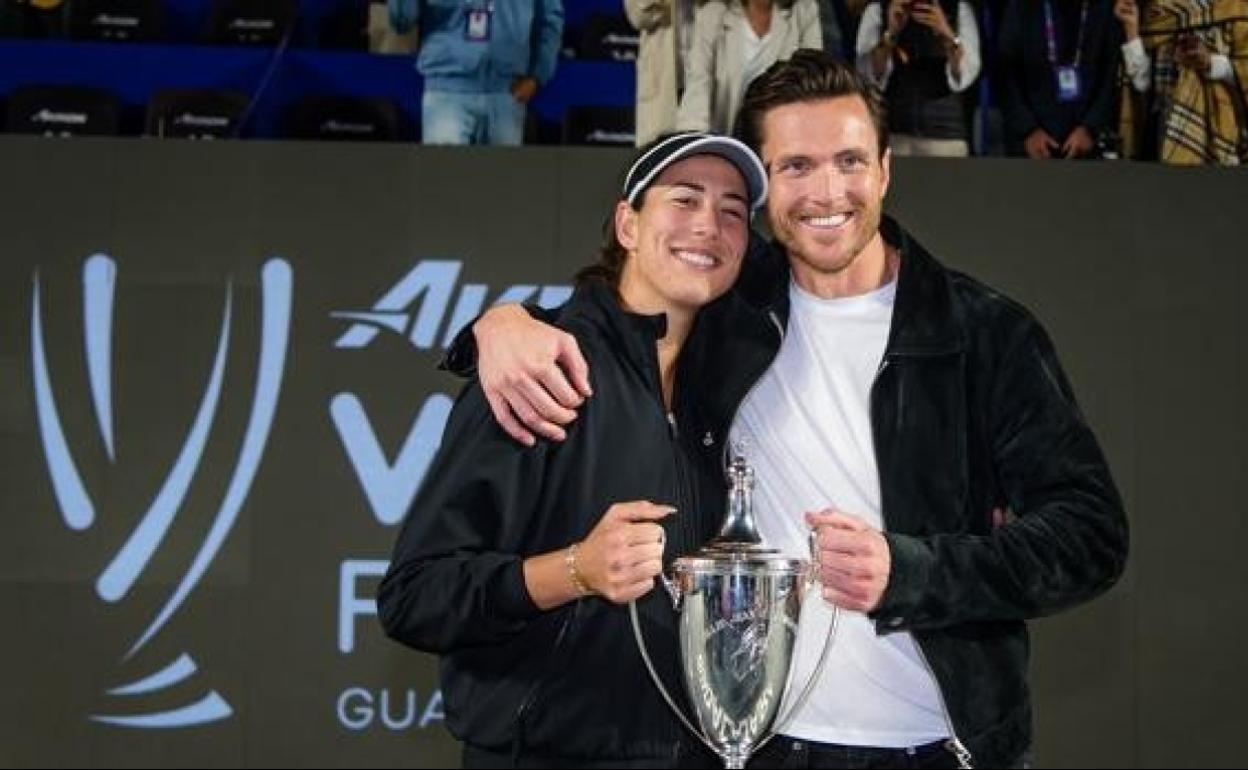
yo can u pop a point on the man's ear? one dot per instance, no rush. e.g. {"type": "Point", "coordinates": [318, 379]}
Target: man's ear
{"type": "Point", "coordinates": [886, 163]}
{"type": "Point", "coordinates": [626, 225]}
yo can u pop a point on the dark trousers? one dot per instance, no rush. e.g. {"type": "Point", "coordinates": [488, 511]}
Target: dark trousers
{"type": "Point", "coordinates": [785, 752]}
{"type": "Point", "coordinates": [685, 757]}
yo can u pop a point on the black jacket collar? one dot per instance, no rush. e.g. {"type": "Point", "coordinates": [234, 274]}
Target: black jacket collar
{"type": "Point", "coordinates": [923, 318]}
{"type": "Point", "coordinates": [634, 335]}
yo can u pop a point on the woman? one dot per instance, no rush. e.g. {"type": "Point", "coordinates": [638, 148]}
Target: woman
{"type": "Point", "coordinates": [516, 563]}
{"type": "Point", "coordinates": [733, 43]}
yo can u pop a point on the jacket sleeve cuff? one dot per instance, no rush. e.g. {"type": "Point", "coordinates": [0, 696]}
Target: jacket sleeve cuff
{"type": "Point", "coordinates": [513, 598]}
{"type": "Point", "coordinates": [460, 358]}
{"type": "Point", "coordinates": [1220, 68]}
{"type": "Point", "coordinates": [911, 564]}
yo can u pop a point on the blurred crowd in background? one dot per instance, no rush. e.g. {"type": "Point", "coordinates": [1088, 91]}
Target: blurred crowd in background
{"type": "Point", "coordinates": [1160, 80]}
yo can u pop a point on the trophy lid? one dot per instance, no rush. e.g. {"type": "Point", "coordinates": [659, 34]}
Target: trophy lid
{"type": "Point", "coordinates": [708, 561]}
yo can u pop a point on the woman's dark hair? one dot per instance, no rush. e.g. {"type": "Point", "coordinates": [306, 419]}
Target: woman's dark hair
{"type": "Point", "coordinates": [611, 255]}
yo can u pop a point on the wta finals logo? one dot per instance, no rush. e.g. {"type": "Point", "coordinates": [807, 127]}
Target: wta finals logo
{"type": "Point", "coordinates": [78, 508]}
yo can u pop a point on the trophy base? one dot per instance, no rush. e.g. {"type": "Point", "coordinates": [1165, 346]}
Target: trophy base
{"type": "Point", "coordinates": [735, 760]}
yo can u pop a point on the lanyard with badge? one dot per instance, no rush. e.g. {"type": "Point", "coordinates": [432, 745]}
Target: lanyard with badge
{"type": "Point", "coordinates": [1068, 85]}
{"type": "Point", "coordinates": [477, 26]}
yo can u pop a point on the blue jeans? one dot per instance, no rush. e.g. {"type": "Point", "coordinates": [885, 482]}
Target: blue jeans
{"type": "Point", "coordinates": [450, 117]}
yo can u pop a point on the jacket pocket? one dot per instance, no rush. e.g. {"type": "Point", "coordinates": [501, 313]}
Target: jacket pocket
{"type": "Point", "coordinates": [552, 670]}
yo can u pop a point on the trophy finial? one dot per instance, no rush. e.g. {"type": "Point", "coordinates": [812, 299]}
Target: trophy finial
{"type": "Point", "coordinates": [740, 474]}
{"type": "Point", "coordinates": [739, 527]}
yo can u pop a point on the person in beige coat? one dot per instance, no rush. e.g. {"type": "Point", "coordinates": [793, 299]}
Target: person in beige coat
{"type": "Point", "coordinates": [665, 27]}
{"type": "Point", "coordinates": [733, 43]}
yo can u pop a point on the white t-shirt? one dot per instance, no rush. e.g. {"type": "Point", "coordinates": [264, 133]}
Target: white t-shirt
{"type": "Point", "coordinates": [808, 432]}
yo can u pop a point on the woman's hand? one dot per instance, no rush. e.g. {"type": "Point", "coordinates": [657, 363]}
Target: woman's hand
{"type": "Point", "coordinates": [624, 553]}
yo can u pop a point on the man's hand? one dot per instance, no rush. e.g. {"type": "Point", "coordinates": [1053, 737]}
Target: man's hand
{"type": "Point", "coordinates": [1128, 14]}
{"type": "Point", "coordinates": [1039, 145]}
{"type": "Point", "coordinates": [533, 374]}
{"type": "Point", "coordinates": [622, 555]}
{"type": "Point", "coordinates": [523, 89]}
{"type": "Point", "coordinates": [1003, 516]}
{"type": "Point", "coordinates": [1078, 144]}
{"type": "Point", "coordinates": [853, 559]}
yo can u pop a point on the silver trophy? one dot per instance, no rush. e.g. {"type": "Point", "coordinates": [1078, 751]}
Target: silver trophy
{"type": "Point", "coordinates": [739, 604]}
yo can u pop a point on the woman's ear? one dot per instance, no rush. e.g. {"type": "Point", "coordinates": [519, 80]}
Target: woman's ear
{"type": "Point", "coordinates": [626, 225]}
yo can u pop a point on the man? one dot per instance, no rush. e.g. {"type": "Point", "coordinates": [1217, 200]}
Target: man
{"type": "Point", "coordinates": [919, 421]}
{"type": "Point", "coordinates": [482, 63]}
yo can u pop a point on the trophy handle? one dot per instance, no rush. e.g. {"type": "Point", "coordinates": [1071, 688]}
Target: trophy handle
{"type": "Point", "coordinates": [654, 675]}
{"type": "Point", "coordinates": [812, 543]}
{"type": "Point", "coordinates": [673, 591]}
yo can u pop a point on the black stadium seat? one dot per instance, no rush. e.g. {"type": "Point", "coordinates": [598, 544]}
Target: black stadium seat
{"type": "Point", "coordinates": [599, 125]}
{"type": "Point", "coordinates": [195, 114]}
{"type": "Point", "coordinates": [63, 111]}
{"type": "Point", "coordinates": [32, 18]}
{"type": "Point", "coordinates": [608, 36]}
{"type": "Point", "coordinates": [250, 22]}
{"type": "Point", "coordinates": [137, 20]}
{"type": "Point", "coordinates": [345, 28]}
{"type": "Point", "coordinates": [341, 118]}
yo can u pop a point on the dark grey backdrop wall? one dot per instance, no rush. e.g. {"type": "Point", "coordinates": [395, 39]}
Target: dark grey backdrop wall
{"type": "Point", "coordinates": [219, 395]}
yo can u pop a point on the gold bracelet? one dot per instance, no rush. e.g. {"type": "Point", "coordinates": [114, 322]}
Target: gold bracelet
{"type": "Point", "coordinates": [574, 574]}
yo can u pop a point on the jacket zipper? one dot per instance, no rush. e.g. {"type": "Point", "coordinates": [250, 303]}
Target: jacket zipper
{"type": "Point", "coordinates": [674, 434]}
{"type": "Point", "coordinates": [687, 494]}
{"type": "Point", "coordinates": [953, 743]}
{"type": "Point", "coordinates": [684, 488]}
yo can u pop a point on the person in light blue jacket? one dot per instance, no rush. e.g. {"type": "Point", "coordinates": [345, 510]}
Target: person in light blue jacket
{"type": "Point", "coordinates": [482, 62]}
